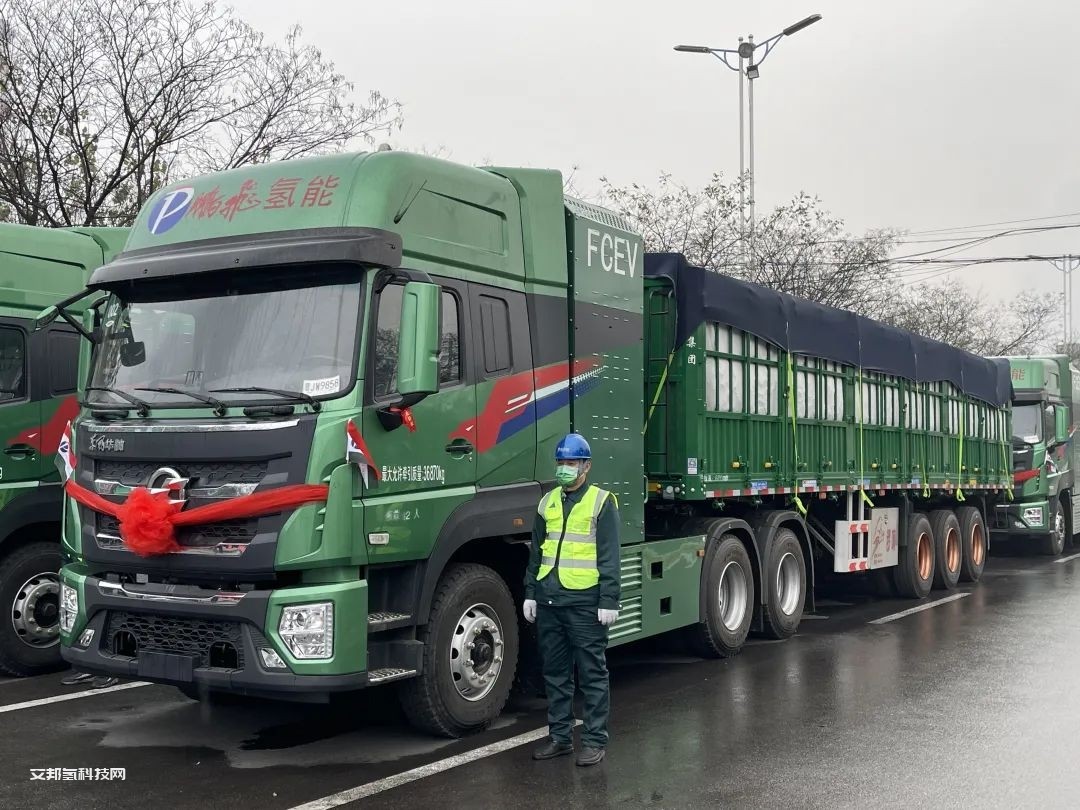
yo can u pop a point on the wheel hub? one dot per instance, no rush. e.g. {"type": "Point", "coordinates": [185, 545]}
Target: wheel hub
{"type": "Point", "coordinates": [35, 613]}
{"type": "Point", "coordinates": [732, 596]}
{"type": "Point", "coordinates": [788, 584]}
{"type": "Point", "coordinates": [476, 652]}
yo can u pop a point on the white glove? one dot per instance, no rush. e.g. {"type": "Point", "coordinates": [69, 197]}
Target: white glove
{"type": "Point", "coordinates": [529, 609]}
{"type": "Point", "coordinates": [607, 617]}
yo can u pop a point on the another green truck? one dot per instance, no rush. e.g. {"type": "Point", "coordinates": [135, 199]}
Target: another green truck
{"type": "Point", "coordinates": [324, 408]}
{"type": "Point", "coordinates": [1045, 510]}
{"type": "Point", "coordinates": [38, 384]}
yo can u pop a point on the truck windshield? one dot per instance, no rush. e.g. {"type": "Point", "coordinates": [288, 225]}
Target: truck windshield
{"type": "Point", "coordinates": [1027, 424]}
{"type": "Point", "coordinates": [201, 335]}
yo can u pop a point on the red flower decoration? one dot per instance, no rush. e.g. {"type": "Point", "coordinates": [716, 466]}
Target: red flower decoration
{"type": "Point", "coordinates": [146, 523]}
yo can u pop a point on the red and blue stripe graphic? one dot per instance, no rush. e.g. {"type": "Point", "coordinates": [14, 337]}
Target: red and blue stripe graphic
{"type": "Point", "coordinates": [519, 401]}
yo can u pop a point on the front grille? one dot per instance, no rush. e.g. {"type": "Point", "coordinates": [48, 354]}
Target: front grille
{"type": "Point", "coordinates": [206, 535]}
{"type": "Point", "coordinates": [213, 643]}
{"type": "Point", "coordinates": [201, 473]}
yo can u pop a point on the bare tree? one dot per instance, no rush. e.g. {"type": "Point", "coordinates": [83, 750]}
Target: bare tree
{"type": "Point", "coordinates": [960, 317]}
{"type": "Point", "coordinates": [798, 247]}
{"type": "Point", "coordinates": [108, 100]}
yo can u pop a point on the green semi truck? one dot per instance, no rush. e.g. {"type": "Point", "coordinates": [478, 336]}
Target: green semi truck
{"type": "Point", "coordinates": [38, 397]}
{"type": "Point", "coordinates": [1044, 510]}
{"type": "Point", "coordinates": [324, 405]}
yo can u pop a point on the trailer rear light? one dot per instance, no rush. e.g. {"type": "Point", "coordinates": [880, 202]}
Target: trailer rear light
{"type": "Point", "coordinates": [69, 607]}
{"type": "Point", "coordinates": [308, 630]}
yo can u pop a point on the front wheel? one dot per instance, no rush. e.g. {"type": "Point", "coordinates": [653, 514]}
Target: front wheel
{"type": "Point", "coordinates": [470, 654]}
{"type": "Point", "coordinates": [30, 610]}
{"type": "Point", "coordinates": [1054, 542]}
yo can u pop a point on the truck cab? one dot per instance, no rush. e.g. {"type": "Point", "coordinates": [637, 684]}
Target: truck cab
{"type": "Point", "coordinates": [1043, 512]}
{"type": "Point", "coordinates": [39, 382]}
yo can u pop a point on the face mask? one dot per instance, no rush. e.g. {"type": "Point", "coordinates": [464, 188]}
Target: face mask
{"type": "Point", "coordinates": [566, 475]}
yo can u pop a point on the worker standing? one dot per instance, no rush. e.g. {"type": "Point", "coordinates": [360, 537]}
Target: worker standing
{"type": "Point", "coordinates": [572, 593]}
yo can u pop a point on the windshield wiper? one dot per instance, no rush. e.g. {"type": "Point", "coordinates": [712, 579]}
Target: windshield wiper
{"type": "Point", "coordinates": [141, 408]}
{"type": "Point", "coordinates": [295, 396]}
{"type": "Point", "coordinates": [219, 407]}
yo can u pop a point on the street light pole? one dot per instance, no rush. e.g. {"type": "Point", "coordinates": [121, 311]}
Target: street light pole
{"type": "Point", "coordinates": [1066, 265]}
{"type": "Point", "coordinates": [742, 147]}
{"type": "Point", "coordinates": [748, 69]}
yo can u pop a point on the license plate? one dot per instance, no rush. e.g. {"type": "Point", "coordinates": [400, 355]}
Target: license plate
{"type": "Point", "coordinates": [169, 666]}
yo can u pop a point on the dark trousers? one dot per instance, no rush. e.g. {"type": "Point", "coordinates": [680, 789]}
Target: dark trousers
{"type": "Point", "coordinates": [570, 636]}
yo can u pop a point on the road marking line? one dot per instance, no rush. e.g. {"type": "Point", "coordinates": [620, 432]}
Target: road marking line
{"type": "Point", "coordinates": [1071, 557]}
{"type": "Point", "coordinates": [29, 704]}
{"type": "Point", "coordinates": [405, 777]}
{"type": "Point", "coordinates": [919, 609]}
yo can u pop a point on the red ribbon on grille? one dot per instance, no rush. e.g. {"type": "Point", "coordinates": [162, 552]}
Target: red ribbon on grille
{"type": "Point", "coordinates": [148, 520]}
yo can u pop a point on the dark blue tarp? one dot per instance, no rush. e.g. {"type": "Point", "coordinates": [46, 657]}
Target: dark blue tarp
{"type": "Point", "coordinates": [803, 327]}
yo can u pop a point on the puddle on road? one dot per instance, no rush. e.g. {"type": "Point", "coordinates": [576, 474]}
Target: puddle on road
{"type": "Point", "coordinates": [264, 735]}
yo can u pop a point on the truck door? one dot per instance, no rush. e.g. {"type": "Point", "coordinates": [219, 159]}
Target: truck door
{"type": "Point", "coordinates": [428, 463]}
{"type": "Point", "coordinates": [507, 406]}
{"type": "Point", "coordinates": [21, 464]}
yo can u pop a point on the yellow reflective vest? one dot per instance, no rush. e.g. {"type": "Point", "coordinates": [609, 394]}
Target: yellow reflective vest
{"type": "Point", "coordinates": [572, 543]}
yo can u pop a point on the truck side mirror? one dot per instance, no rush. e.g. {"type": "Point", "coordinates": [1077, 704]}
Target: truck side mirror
{"type": "Point", "coordinates": [1062, 414]}
{"type": "Point", "coordinates": [418, 341]}
{"type": "Point", "coordinates": [1049, 424]}
{"type": "Point", "coordinates": [45, 318]}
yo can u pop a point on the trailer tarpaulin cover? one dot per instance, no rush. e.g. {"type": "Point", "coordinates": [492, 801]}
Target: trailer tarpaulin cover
{"type": "Point", "coordinates": [803, 327]}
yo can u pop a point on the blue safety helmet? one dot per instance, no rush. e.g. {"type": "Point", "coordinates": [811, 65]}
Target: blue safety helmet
{"type": "Point", "coordinates": [573, 446]}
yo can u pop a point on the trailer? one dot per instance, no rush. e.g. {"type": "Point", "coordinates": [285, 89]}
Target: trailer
{"type": "Point", "coordinates": [448, 325]}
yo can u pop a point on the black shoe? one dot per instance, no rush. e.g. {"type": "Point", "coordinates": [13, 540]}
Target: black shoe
{"type": "Point", "coordinates": [102, 681]}
{"type": "Point", "coordinates": [553, 749]}
{"type": "Point", "coordinates": [75, 677]}
{"type": "Point", "coordinates": [590, 756]}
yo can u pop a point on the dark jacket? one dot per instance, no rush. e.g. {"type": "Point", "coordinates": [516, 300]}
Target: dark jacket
{"type": "Point", "coordinates": [549, 591]}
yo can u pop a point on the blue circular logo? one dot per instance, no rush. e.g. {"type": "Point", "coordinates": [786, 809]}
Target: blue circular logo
{"type": "Point", "coordinates": [170, 209]}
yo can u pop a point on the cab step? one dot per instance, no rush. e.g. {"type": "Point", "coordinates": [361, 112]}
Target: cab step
{"type": "Point", "coordinates": [377, 676]}
{"type": "Point", "coordinates": [387, 620]}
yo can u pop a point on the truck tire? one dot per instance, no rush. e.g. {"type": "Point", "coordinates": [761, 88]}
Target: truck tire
{"type": "Point", "coordinates": [728, 584]}
{"type": "Point", "coordinates": [973, 538]}
{"type": "Point", "coordinates": [30, 609]}
{"type": "Point", "coordinates": [1054, 542]}
{"type": "Point", "coordinates": [948, 548]}
{"type": "Point", "coordinates": [462, 687]}
{"type": "Point", "coordinates": [914, 575]}
{"type": "Point", "coordinates": [785, 586]}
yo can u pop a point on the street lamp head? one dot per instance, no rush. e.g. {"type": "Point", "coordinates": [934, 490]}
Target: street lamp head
{"type": "Point", "coordinates": [692, 49]}
{"type": "Point", "coordinates": [752, 72]}
{"type": "Point", "coordinates": [746, 50]}
{"type": "Point", "coordinates": [801, 24]}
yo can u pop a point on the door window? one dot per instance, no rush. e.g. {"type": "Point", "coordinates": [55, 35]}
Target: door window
{"type": "Point", "coordinates": [12, 365]}
{"type": "Point", "coordinates": [387, 328]}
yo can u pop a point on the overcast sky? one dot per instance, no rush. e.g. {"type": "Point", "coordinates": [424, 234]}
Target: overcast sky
{"type": "Point", "coordinates": [916, 115]}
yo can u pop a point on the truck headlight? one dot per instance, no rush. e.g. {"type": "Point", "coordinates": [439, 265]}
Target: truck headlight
{"type": "Point", "coordinates": [1033, 516]}
{"type": "Point", "coordinates": [69, 607]}
{"type": "Point", "coordinates": [308, 630]}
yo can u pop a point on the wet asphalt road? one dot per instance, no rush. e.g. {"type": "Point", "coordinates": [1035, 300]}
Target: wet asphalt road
{"type": "Point", "coordinates": [971, 702]}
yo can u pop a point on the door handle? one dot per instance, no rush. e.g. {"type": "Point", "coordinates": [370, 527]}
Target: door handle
{"type": "Point", "coordinates": [20, 451]}
{"type": "Point", "coordinates": [459, 447]}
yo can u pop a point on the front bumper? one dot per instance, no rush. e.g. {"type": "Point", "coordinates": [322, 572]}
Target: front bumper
{"type": "Point", "coordinates": [1029, 519]}
{"type": "Point", "coordinates": [185, 639]}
